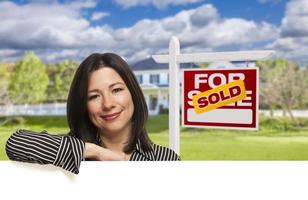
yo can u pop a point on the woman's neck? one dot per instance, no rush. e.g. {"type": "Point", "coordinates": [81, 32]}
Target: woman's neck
{"type": "Point", "coordinates": [115, 141]}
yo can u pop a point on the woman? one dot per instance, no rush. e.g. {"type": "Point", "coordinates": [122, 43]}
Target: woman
{"type": "Point", "coordinates": [106, 113]}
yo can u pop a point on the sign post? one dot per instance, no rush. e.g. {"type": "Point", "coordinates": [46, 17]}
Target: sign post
{"type": "Point", "coordinates": [174, 58]}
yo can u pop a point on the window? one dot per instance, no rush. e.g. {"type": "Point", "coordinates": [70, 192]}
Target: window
{"type": "Point", "coordinates": [154, 78]}
{"type": "Point", "coordinates": [163, 79]}
{"type": "Point", "coordinates": [168, 79]}
{"type": "Point", "coordinates": [139, 79]}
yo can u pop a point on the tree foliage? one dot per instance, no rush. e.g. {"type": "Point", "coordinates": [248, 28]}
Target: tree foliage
{"type": "Point", "coordinates": [4, 81]}
{"type": "Point", "coordinates": [282, 84]}
{"type": "Point", "coordinates": [61, 76]}
{"type": "Point", "coordinates": [29, 80]}
{"type": "Point", "coordinates": [5, 101]}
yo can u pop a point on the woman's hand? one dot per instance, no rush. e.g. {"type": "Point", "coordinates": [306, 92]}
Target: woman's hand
{"type": "Point", "coordinates": [95, 152]}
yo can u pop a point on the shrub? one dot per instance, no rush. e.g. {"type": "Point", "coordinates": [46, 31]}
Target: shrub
{"type": "Point", "coordinates": [18, 120]}
{"type": "Point", "coordinates": [163, 110]}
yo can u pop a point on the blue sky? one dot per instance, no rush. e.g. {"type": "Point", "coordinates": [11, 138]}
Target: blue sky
{"type": "Point", "coordinates": [122, 16]}
{"type": "Point", "coordinates": [136, 29]}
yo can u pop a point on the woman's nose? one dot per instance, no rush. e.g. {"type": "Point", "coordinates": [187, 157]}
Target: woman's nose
{"type": "Point", "coordinates": [108, 102]}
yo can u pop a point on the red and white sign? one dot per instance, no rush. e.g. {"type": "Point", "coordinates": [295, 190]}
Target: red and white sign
{"type": "Point", "coordinates": [242, 114]}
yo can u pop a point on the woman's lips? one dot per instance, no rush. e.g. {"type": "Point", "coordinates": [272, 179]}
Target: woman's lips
{"type": "Point", "coordinates": [111, 116]}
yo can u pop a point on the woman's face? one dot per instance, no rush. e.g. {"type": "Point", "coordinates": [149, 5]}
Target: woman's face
{"type": "Point", "coordinates": [110, 106]}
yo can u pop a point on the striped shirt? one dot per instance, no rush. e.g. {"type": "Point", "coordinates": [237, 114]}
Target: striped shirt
{"type": "Point", "coordinates": [67, 151]}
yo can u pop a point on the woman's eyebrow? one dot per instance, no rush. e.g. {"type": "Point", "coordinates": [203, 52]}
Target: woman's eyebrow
{"type": "Point", "coordinates": [94, 90]}
{"type": "Point", "coordinates": [110, 86]}
{"type": "Point", "coordinates": [113, 84]}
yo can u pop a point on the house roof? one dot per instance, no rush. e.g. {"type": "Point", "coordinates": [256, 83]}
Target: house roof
{"type": "Point", "coordinates": [150, 64]}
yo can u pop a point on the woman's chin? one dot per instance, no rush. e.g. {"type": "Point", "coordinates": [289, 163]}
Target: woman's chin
{"type": "Point", "coordinates": [111, 130]}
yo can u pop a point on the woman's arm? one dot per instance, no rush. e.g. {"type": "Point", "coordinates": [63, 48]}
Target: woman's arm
{"type": "Point", "coordinates": [43, 148]}
{"type": "Point", "coordinates": [62, 151]}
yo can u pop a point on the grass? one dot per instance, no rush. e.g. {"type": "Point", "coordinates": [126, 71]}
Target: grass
{"type": "Point", "coordinates": [277, 139]}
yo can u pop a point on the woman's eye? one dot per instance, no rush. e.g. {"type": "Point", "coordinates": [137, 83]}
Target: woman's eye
{"type": "Point", "coordinates": [116, 90]}
{"type": "Point", "coordinates": [91, 97]}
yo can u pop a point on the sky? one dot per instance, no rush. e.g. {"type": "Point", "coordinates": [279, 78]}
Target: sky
{"type": "Point", "coordinates": [57, 30]}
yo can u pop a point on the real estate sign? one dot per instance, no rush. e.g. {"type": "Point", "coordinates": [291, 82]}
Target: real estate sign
{"type": "Point", "coordinates": [220, 98]}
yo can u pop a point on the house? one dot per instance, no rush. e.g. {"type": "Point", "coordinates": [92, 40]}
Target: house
{"type": "Point", "coordinates": [154, 81]}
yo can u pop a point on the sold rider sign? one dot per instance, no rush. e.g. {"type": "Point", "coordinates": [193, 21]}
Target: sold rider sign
{"type": "Point", "coordinates": [221, 98]}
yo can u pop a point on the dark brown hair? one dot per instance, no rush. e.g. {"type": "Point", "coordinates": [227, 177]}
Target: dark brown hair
{"type": "Point", "coordinates": [77, 114]}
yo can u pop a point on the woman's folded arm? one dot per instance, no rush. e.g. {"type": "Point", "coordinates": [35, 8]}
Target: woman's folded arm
{"type": "Point", "coordinates": [44, 148]}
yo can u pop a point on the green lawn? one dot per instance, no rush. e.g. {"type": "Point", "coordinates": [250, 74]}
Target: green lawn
{"type": "Point", "coordinates": [277, 139]}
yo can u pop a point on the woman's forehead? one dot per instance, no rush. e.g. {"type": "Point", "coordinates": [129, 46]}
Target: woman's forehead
{"type": "Point", "coordinates": [105, 76]}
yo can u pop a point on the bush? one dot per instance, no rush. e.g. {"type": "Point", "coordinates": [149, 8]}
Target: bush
{"type": "Point", "coordinates": [163, 110]}
{"type": "Point", "coordinates": [3, 120]}
{"type": "Point", "coordinates": [283, 124]}
{"type": "Point", "coordinates": [18, 120]}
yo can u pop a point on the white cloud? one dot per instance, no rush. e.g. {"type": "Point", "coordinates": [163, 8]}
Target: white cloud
{"type": "Point", "coordinates": [268, 1]}
{"type": "Point", "coordinates": [7, 52]}
{"type": "Point", "coordinates": [75, 4]}
{"type": "Point", "coordinates": [80, 4]}
{"type": "Point", "coordinates": [296, 19]}
{"type": "Point", "coordinates": [203, 15]}
{"type": "Point", "coordinates": [39, 26]}
{"type": "Point", "coordinates": [217, 33]}
{"type": "Point", "coordinates": [65, 54]}
{"type": "Point", "coordinates": [235, 32]}
{"type": "Point", "coordinates": [293, 40]}
{"type": "Point", "coordinates": [157, 3]}
{"type": "Point", "coordinates": [9, 55]}
{"type": "Point", "coordinates": [61, 31]}
{"type": "Point", "coordinates": [99, 15]}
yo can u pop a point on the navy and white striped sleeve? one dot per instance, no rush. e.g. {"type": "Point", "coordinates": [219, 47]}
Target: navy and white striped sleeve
{"type": "Point", "coordinates": [43, 148]}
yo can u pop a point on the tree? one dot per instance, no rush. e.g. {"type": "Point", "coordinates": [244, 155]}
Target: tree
{"type": "Point", "coordinates": [203, 65]}
{"type": "Point", "coordinates": [29, 80]}
{"type": "Point", "coordinates": [269, 97]}
{"type": "Point", "coordinates": [4, 94]}
{"type": "Point", "coordinates": [281, 83]}
{"type": "Point", "coordinates": [4, 79]}
{"type": "Point", "coordinates": [303, 104]}
{"type": "Point", "coordinates": [61, 76]}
